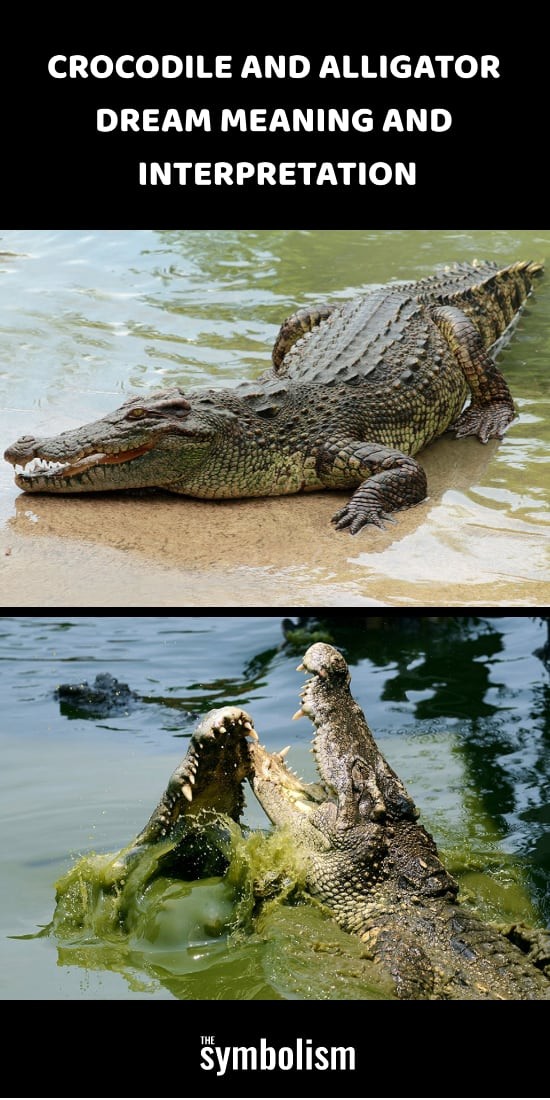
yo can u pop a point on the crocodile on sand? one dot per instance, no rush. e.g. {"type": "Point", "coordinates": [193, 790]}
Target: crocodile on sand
{"type": "Point", "coordinates": [355, 391]}
{"type": "Point", "coordinates": [366, 857]}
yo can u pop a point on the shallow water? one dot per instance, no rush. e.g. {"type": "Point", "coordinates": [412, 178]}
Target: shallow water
{"type": "Point", "coordinates": [459, 706]}
{"type": "Point", "coordinates": [88, 318]}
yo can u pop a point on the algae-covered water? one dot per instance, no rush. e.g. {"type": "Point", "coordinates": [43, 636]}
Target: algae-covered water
{"type": "Point", "coordinates": [459, 706]}
{"type": "Point", "coordinates": [87, 319]}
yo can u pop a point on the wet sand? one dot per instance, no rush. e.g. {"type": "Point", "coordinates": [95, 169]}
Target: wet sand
{"type": "Point", "coordinates": [161, 550]}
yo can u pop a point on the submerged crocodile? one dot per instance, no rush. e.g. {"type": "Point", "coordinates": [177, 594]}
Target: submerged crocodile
{"type": "Point", "coordinates": [362, 851]}
{"type": "Point", "coordinates": [355, 391]}
{"type": "Point", "coordinates": [105, 696]}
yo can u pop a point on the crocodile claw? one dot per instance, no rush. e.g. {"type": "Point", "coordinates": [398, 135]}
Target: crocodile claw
{"type": "Point", "coordinates": [355, 519]}
{"type": "Point", "coordinates": [485, 421]}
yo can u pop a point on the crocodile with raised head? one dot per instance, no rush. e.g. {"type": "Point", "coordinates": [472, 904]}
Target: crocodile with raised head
{"type": "Point", "coordinates": [187, 836]}
{"type": "Point", "coordinates": [376, 867]}
{"type": "Point", "coordinates": [355, 391]}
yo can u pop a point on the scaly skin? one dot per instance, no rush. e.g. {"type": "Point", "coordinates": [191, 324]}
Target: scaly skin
{"type": "Point", "coordinates": [355, 391]}
{"type": "Point", "coordinates": [187, 827]}
{"type": "Point", "coordinates": [211, 775]}
{"type": "Point", "coordinates": [366, 856]}
{"type": "Point", "coordinates": [374, 865]}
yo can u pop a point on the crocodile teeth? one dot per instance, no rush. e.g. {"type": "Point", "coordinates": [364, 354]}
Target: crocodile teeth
{"type": "Point", "coordinates": [299, 714]}
{"type": "Point", "coordinates": [282, 752]}
{"type": "Point", "coordinates": [301, 668]}
{"type": "Point", "coordinates": [40, 465]}
{"type": "Point", "coordinates": [187, 791]}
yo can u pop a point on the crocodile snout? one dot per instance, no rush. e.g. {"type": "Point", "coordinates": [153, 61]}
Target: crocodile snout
{"type": "Point", "coordinates": [23, 447]}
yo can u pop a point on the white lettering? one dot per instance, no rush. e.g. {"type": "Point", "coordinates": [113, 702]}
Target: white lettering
{"type": "Point", "coordinates": [126, 66]}
{"type": "Point", "coordinates": [151, 121]}
{"type": "Point", "coordinates": [285, 174]}
{"type": "Point", "coordinates": [207, 1061]}
{"type": "Point", "coordinates": [52, 66]}
{"type": "Point", "coordinates": [222, 1054]}
{"type": "Point", "coordinates": [437, 120]}
{"type": "Point", "coordinates": [296, 66]}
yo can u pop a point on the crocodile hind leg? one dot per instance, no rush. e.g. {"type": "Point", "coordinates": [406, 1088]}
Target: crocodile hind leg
{"type": "Point", "coordinates": [304, 320]}
{"type": "Point", "coordinates": [393, 480]}
{"type": "Point", "coordinates": [491, 408]}
{"type": "Point", "coordinates": [401, 955]}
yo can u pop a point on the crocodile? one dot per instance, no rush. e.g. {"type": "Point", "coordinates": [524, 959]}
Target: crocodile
{"type": "Point", "coordinates": [355, 390]}
{"type": "Point", "coordinates": [105, 696]}
{"type": "Point", "coordinates": [376, 867]}
{"type": "Point", "coordinates": [108, 696]}
{"type": "Point", "coordinates": [355, 836]}
{"type": "Point", "coordinates": [206, 788]}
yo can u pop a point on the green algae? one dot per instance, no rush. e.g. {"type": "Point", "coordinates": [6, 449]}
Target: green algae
{"type": "Point", "coordinates": [250, 933]}
{"type": "Point", "coordinates": [120, 910]}
{"type": "Point", "coordinates": [106, 895]}
{"type": "Point", "coordinates": [158, 917]}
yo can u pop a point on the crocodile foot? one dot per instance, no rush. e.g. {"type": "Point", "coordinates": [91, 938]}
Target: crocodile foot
{"type": "Point", "coordinates": [485, 421]}
{"type": "Point", "coordinates": [355, 518]}
{"type": "Point", "coordinates": [384, 492]}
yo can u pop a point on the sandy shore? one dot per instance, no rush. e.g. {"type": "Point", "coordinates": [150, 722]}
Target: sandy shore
{"type": "Point", "coordinates": [159, 550]}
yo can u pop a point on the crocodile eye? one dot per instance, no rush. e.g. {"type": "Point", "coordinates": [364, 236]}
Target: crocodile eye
{"type": "Point", "coordinates": [135, 414]}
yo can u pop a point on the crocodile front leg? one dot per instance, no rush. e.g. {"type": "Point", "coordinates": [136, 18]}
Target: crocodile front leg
{"type": "Point", "coordinates": [393, 480]}
{"type": "Point", "coordinates": [304, 320]}
{"type": "Point", "coordinates": [491, 408]}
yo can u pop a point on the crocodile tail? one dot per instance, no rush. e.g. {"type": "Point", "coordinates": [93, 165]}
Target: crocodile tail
{"type": "Point", "coordinates": [489, 296]}
{"type": "Point", "coordinates": [496, 301]}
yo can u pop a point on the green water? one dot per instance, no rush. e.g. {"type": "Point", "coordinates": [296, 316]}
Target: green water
{"type": "Point", "coordinates": [87, 317]}
{"type": "Point", "coordinates": [459, 706]}
{"type": "Point", "coordinates": [117, 912]}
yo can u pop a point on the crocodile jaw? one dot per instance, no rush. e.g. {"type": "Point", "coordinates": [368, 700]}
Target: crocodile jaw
{"type": "Point", "coordinates": [84, 472]}
{"type": "Point", "coordinates": [210, 777]}
{"type": "Point", "coordinates": [146, 442]}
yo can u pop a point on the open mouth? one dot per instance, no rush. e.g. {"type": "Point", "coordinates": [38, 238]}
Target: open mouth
{"type": "Point", "coordinates": [276, 786]}
{"type": "Point", "coordinates": [210, 777]}
{"type": "Point", "coordinates": [217, 750]}
{"type": "Point", "coordinates": [271, 769]}
{"type": "Point", "coordinates": [38, 467]}
{"type": "Point", "coordinates": [271, 775]}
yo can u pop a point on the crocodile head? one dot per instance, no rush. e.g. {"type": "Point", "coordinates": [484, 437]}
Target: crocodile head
{"type": "Point", "coordinates": [210, 777]}
{"type": "Point", "coordinates": [187, 833]}
{"type": "Point", "coordinates": [358, 827]}
{"type": "Point", "coordinates": [156, 440]}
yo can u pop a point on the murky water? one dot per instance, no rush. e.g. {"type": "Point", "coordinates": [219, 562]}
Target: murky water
{"type": "Point", "coordinates": [89, 318]}
{"type": "Point", "coordinates": [459, 706]}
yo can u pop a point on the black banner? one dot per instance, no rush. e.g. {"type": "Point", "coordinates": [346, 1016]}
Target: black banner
{"type": "Point", "coordinates": [188, 129]}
